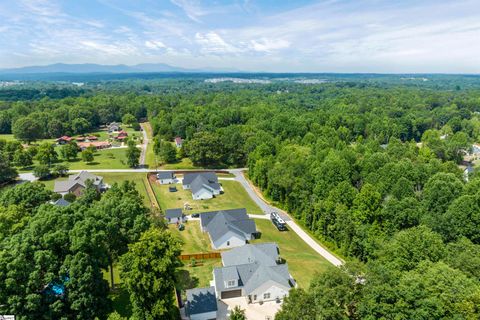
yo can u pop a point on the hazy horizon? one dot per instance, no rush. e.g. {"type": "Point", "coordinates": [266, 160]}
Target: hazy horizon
{"type": "Point", "coordinates": [375, 36]}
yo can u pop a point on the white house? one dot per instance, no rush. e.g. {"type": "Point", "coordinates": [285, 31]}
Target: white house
{"type": "Point", "coordinates": [228, 228]}
{"type": "Point", "coordinates": [204, 185]}
{"type": "Point", "coordinates": [166, 177]}
{"type": "Point", "coordinates": [255, 272]}
{"type": "Point", "coordinates": [174, 216]}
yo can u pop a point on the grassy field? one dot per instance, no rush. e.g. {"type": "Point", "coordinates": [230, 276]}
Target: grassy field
{"type": "Point", "coordinates": [303, 261]}
{"type": "Point", "coordinates": [111, 178]}
{"type": "Point", "coordinates": [194, 240]}
{"type": "Point", "coordinates": [104, 159]}
{"type": "Point", "coordinates": [234, 196]}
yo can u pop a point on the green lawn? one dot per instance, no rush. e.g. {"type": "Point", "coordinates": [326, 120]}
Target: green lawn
{"type": "Point", "coordinates": [194, 240]}
{"type": "Point", "coordinates": [303, 261]}
{"type": "Point", "coordinates": [104, 159]}
{"type": "Point", "coordinates": [234, 197]}
{"type": "Point", "coordinates": [110, 178]}
{"type": "Point", "coordinates": [200, 275]}
{"type": "Point", "coordinates": [185, 163]}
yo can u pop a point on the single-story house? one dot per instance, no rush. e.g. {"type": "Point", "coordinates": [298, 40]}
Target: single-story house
{"type": "Point", "coordinates": [113, 127]}
{"type": "Point", "coordinates": [166, 177]}
{"type": "Point", "coordinates": [64, 140]}
{"type": "Point", "coordinates": [92, 138]}
{"type": "Point", "coordinates": [178, 142]}
{"type": "Point", "coordinates": [228, 228]}
{"type": "Point", "coordinates": [77, 183]}
{"type": "Point", "coordinates": [204, 185]}
{"type": "Point", "coordinates": [253, 271]}
{"type": "Point", "coordinates": [122, 135]}
{"type": "Point", "coordinates": [174, 215]}
{"type": "Point", "coordinates": [96, 144]}
{"type": "Point", "coordinates": [61, 203]}
{"type": "Point", "coordinates": [201, 304]}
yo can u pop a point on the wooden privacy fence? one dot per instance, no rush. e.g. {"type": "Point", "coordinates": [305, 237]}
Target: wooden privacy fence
{"type": "Point", "coordinates": [200, 256]}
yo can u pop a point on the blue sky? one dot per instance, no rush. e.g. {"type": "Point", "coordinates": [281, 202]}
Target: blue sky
{"type": "Point", "coordinates": [251, 35]}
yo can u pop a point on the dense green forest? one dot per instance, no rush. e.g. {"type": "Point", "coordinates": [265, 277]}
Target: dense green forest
{"type": "Point", "coordinates": [370, 167]}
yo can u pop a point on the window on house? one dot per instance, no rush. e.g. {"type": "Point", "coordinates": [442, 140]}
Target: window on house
{"type": "Point", "coordinates": [228, 243]}
{"type": "Point", "coordinates": [254, 297]}
{"type": "Point", "coordinates": [266, 295]}
{"type": "Point", "coordinates": [231, 283]}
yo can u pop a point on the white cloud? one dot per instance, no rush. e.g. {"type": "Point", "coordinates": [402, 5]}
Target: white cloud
{"type": "Point", "coordinates": [269, 45]}
{"type": "Point", "coordinates": [155, 44]}
{"type": "Point", "coordinates": [191, 8]}
{"type": "Point", "coordinates": [212, 42]}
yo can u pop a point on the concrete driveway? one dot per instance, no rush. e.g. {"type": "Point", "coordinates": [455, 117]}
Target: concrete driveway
{"type": "Point", "coordinates": [253, 311]}
{"type": "Point", "coordinates": [267, 209]}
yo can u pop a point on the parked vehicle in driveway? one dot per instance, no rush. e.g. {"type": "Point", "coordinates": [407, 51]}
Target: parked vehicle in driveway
{"type": "Point", "coordinates": [278, 221]}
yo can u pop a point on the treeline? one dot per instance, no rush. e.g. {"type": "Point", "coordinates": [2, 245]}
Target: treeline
{"type": "Point", "coordinates": [52, 118]}
{"type": "Point", "coordinates": [53, 259]}
{"type": "Point", "coordinates": [372, 171]}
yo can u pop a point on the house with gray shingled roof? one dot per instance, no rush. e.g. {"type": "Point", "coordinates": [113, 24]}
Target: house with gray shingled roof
{"type": "Point", "coordinates": [228, 228]}
{"type": "Point", "coordinates": [201, 304]}
{"type": "Point", "coordinates": [253, 271]}
{"type": "Point", "coordinates": [204, 185]}
{"type": "Point", "coordinates": [77, 183]}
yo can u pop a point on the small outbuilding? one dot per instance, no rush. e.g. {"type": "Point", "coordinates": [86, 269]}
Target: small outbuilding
{"type": "Point", "coordinates": [178, 142]}
{"type": "Point", "coordinates": [174, 215]}
{"type": "Point", "coordinates": [166, 177]}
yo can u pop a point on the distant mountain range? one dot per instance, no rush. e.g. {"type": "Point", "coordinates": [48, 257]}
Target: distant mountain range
{"type": "Point", "coordinates": [100, 68]}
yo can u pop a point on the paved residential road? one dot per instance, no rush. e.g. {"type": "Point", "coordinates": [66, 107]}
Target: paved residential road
{"type": "Point", "coordinates": [144, 145]}
{"type": "Point", "coordinates": [256, 197]}
{"type": "Point", "coordinates": [267, 208]}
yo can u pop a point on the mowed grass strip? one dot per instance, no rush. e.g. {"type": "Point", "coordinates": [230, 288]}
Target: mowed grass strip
{"type": "Point", "coordinates": [234, 197]}
{"type": "Point", "coordinates": [303, 261]}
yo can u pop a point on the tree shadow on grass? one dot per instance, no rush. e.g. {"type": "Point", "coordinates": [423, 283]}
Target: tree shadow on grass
{"type": "Point", "coordinates": [121, 301]}
{"type": "Point", "coordinates": [185, 280]}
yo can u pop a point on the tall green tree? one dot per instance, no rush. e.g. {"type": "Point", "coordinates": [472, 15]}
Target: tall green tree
{"type": "Point", "coordinates": [27, 129]}
{"type": "Point", "coordinates": [148, 271]}
{"type": "Point", "coordinates": [133, 154]}
{"type": "Point", "coordinates": [46, 154]}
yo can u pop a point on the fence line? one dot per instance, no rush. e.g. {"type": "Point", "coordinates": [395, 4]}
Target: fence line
{"type": "Point", "coordinates": [200, 256]}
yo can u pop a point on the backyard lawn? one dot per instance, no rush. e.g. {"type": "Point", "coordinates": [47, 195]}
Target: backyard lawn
{"type": "Point", "coordinates": [303, 261]}
{"type": "Point", "coordinates": [194, 240]}
{"type": "Point", "coordinates": [197, 276]}
{"type": "Point", "coordinates": [234, 197]}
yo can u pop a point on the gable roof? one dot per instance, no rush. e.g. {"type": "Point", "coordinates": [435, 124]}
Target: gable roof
{"type": "Point", "coordinates": [219, 223]}
{"type": "Point", "coordinates": [61, 202]}
{"type": "Point", "coordinates": [265, 253]}
{"type": "Point", "coordinates": [165, 175]}
{"type": "Point", "coordinates": [173, 213]}
{"type": "Point", "coordinates": [189, 177]}
{"type": "Point", "coordinates": [178, 140]}
{"type": "Point", "coordinates": [201, 182]}
{"type": "Point", "coordinates": [201, 300]}
{"type": "Point", "coordinates": [66, 186]}
{"type": "Point", "coordinates": [79, 179]}
{"type": "Point", "coordinates": [258, 271]}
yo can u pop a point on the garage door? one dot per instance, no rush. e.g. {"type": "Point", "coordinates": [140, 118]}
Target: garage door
{"type": "Point", "coordinates": [231, 294]}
